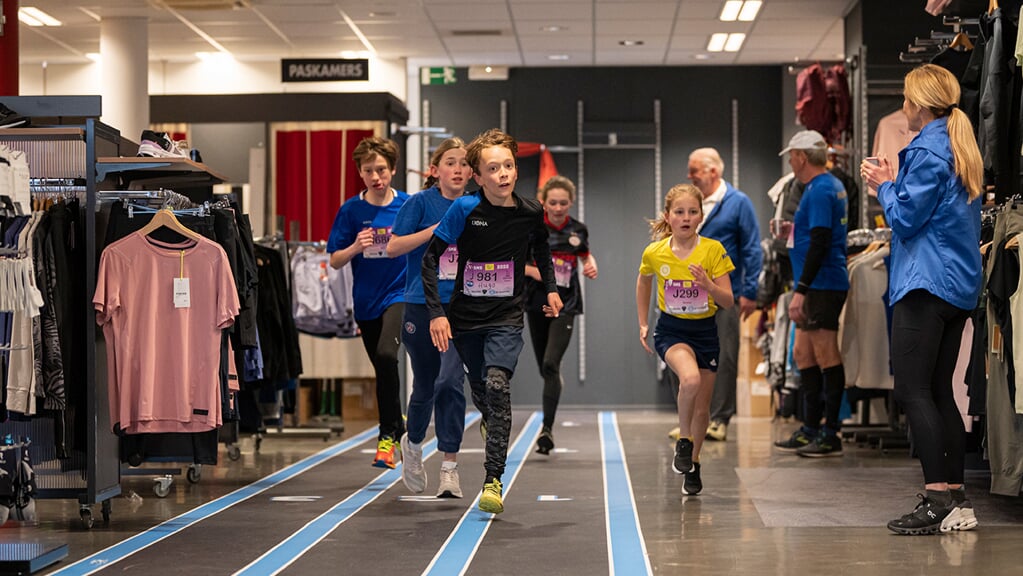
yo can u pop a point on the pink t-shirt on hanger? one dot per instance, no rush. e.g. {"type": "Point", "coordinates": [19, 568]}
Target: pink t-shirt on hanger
{"type": "Point", "coordinates": [163, 357]}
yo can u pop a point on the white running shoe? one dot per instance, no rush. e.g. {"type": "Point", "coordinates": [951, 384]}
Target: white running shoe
{"type": "Point", "coordinates": [412, 472]}
{"type": "Point", "coordinates": [449, 485]}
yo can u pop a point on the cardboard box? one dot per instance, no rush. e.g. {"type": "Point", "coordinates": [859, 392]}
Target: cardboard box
{"type": "Point", "coordinates": [359, 399]}
{"type": "Point", "coordinates": [753, 394]}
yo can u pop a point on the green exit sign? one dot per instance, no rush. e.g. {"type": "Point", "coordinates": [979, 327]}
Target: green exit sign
{"type": "Point", "coordinates": [442, 75]}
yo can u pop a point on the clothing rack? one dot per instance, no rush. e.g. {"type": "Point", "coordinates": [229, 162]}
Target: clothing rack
{"type": "Point", "coordinates": [65, 158]}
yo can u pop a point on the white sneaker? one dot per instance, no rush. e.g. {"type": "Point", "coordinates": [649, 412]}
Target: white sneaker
{"type": "Point", "coordinates": [449, 485]}
{"type": "Point", "coordinates": [961, 518]}
{"type": "Point", "coordinates": [412, 472]}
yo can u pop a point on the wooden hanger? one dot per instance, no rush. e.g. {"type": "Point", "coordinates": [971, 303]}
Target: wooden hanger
{"type": "Point", "coordinates": [984, 248]}
{"type": "Point", "coordinates": [992, 6]}
{"type": "Point", "coordinates": [166, 217]}
{"type": "Point", "coordinates": [1013, 242]}
{"type": "Point", "coordinates": [961, 42]}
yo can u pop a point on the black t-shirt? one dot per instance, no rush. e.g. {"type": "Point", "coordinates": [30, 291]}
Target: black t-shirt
{"type": "Point", "coordinates": [489, 238]}
{"type": "Point", "coordinates": [570, 245]}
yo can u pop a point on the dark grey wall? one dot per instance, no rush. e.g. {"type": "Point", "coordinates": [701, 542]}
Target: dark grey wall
{"type": "Point", "coordinates": [696, 110]}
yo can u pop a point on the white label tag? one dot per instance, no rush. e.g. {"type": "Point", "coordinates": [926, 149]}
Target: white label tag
{"type": "Point", "coordinates": [182, 294]}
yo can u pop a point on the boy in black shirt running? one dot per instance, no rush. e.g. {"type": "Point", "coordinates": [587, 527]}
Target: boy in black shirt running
{"type": "Point", "coordinates": [493, 229]}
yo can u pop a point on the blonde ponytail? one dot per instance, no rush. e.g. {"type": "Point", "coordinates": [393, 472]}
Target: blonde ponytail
{"type": "Point", "coordinates": [968, 163]}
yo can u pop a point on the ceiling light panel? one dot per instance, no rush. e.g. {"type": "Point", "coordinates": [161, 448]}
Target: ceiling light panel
{"type": "Point", "coordinates": [730, 11]}
{"type": "Point", "coordinates": [749, 11]}
{"type": "Point", "coordinates": [734, 42]}
{"type": "Point", "coordinates": [717, 42]}
{"type": "Point", "coordinates": [39, 16]}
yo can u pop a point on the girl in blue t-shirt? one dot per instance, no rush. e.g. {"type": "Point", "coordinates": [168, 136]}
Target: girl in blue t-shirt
{"type": "Point", "coordinates": [438, 388]}
{"type": "Point", "coordinates": [692, 283]}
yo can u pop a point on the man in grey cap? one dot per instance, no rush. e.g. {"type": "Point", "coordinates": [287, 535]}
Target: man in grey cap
{"type": "Point", "coordinates": [818, 253]}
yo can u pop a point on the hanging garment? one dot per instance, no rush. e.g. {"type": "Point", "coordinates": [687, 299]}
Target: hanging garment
{"type": "Point", "coordinates": [164, 335]}
{"type": "Point", "coordinates": [321, 294]}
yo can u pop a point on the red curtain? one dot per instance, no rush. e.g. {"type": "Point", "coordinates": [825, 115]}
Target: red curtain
{"type": "Point", "coordinates": [292, 179]}
{"type": "Point", "coordinates": [325, 194]}
{"type": "Point", "coordinates": [315, 175]}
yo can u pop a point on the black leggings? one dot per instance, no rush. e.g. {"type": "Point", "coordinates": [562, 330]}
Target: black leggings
{"type": "Point", "coordinates": [381, 338]}
{"type": "Point", "coordinates": [926, 334]}
{"type": "Point", "coordinates": [550, 338]}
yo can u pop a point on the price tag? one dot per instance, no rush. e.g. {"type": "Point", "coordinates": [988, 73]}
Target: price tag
{"type": "Point", "coordinates": [182, 293]}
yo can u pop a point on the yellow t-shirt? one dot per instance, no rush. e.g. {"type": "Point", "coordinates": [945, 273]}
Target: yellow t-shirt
{"type": "Point", "coordinates": [683, 297]}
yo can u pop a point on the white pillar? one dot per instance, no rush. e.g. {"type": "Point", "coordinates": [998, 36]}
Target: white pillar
{"type": "Point", "coordinates": [124, 76]}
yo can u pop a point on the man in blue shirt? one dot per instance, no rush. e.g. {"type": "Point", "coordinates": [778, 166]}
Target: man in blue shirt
{"type": "Point", "coordinates": [818, 253]}
{"type": "Point", "coordinates": [730, 219]}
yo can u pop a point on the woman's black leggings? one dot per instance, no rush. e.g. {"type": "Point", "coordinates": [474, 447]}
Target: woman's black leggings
{"type": "Point", "coordinates": [550, 338]}
{"type": "Point", "coordinates": [926, 335]}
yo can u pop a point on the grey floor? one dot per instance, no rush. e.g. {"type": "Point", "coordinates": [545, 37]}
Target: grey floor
{"type": "Point", "coordinates": [761, 512]}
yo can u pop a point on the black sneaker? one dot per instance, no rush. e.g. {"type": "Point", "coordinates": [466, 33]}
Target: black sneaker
{"type": "Point", "coordinates": [691, 483]}
{"type": "Point", "coordinates": [10, 119]}
{"type": "Point", "coordinates": [822, 446]}
{"type": "Point", "coordinates": [926, 518]}
{"type": "Point", "coordinates": [545, 443]}
{"type": "Point", "coordinates": [683, 461]}
{"type": "Point", "coordinates": [798, 440]}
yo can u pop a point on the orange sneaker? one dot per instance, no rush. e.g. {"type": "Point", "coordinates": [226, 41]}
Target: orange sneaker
{"type": "Point", "coordinates": [386, 448]}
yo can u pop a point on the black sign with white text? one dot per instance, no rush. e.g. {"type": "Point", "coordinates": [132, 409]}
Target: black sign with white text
{"type": "Point", "coordinates": [324, 70]}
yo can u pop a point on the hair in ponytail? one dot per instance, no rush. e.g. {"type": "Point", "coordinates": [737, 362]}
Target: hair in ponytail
{"type": "Point", "coordinates": [935, 88]}
{"type": "Point", "coordinates": [660, 228]}
{"type": "Point", "coordinates": [452, 143]}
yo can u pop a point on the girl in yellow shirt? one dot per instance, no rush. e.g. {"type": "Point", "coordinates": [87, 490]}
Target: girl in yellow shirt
{"type": "Point", "coordinates": [692, 283]}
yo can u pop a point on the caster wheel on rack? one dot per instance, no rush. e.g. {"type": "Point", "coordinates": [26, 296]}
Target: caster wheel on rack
{"type": "Point", "coordinates": [195, 473]}
{"type": "Point", "coordinates": [87, 519]}
{"type": "Point", "coordinates": [234, 452]}
{"type": "Point", "coordinates": [162, 485]}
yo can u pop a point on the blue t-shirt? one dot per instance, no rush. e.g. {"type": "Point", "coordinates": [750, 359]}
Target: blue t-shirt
{"type": "Point", "coordinates": [377, 282]}
{"type": "Point", "coordinates": [823, 205]}
{"type": "Point", "coordinates": [423, 209]}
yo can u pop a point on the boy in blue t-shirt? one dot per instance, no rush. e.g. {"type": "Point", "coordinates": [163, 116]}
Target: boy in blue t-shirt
{"type": "Point", "coordinates": [359, 235]}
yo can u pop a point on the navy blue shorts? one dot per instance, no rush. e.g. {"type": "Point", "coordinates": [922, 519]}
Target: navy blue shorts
{"type": "Point", "coordinates": [700, 335]}
{"type": "Point", "coordinates": [497, 346]}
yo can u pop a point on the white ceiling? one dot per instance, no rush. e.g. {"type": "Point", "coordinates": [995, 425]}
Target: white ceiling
{"type": "Point", "coordinates": [451, 32]}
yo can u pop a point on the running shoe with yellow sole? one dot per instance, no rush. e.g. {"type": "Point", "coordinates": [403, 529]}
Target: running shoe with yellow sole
{"type": "Point", "coordinates": [490, 500]}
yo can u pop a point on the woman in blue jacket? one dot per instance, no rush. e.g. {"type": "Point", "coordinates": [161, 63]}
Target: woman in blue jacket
{"type": "Point", "coordinates": [934, 281]}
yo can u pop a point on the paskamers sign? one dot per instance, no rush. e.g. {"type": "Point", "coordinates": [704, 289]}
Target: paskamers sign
{"type": "Point", "coordinates": [324, 70]}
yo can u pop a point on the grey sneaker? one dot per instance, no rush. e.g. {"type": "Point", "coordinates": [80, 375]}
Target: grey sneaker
{"type": "Point", "coordinates": [412, 472]}
{"type": "Point", "coordinates": [449, 484]}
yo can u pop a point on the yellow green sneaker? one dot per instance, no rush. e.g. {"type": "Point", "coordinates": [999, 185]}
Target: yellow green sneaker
{"type": "Point", "coordinates": [490, 500]}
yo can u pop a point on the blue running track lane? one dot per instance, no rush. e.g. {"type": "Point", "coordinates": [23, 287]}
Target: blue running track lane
{"type": "Point", "coordinates": [626, 550]}
{"type": "Point", "coordinates": [460, 548]}
{"type": "Point", "coordinates": [281, 556]}
{"type": "Point", "coordinates": [127, 547]}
